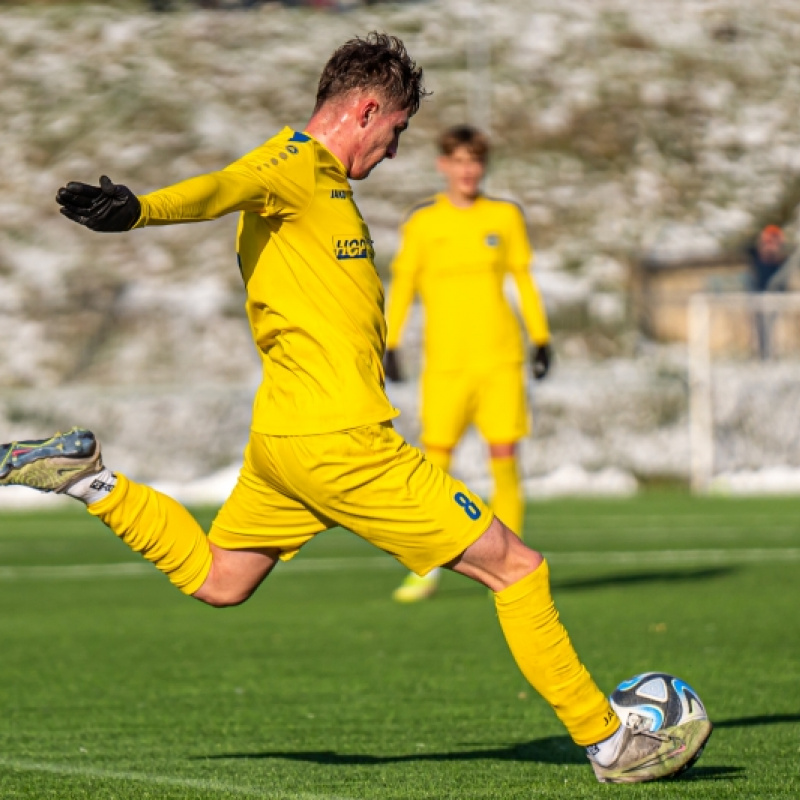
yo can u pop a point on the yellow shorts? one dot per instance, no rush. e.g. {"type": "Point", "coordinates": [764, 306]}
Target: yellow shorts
{"type": "Point", "coordinates": [367, 479]}
{"type": "Point", "coordinates": [493, 400]}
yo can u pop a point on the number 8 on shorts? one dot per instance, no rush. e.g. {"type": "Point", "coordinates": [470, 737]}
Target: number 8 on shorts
{"type": "Point", "coordinates": [471, 510]}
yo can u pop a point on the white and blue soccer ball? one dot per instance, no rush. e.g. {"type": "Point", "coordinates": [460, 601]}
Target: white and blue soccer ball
{"type": "Point", "coordinates": [655, 700]}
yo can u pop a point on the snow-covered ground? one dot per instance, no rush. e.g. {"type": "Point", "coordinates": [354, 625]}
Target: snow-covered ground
{"type": "Point", "coordinates": [625, 130]}
{"type": "Point", "coordinates": [769, 480]}
{"type": "Point", "coordinates": [567, 480]}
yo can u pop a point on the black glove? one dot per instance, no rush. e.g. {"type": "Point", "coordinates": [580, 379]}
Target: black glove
{"type": "Point", "coordinates": [391, 366]}
{"type": "Point", "coordinates": [541, 357]}
{"type": "Point", "coordinates": [105, 208]}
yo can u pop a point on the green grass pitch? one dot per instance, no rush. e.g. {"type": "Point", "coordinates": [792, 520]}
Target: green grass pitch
{"type": "Point", "coordinates": [113, 685]}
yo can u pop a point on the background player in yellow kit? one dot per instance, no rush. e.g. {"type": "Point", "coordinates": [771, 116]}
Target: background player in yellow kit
{"type": "Point", "coordinates": [322, 449]}
{"type": "Point", "coordinates": [457, 248]}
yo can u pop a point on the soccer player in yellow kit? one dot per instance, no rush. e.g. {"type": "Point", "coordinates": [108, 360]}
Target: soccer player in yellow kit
{"type": "Point", "coordinates": [457, 248]}
{"type": "Point", "coordinates": [322, 449]}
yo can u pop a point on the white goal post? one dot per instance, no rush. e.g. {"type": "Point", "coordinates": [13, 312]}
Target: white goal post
{"type": "Point", "coordinates": [744, 386]}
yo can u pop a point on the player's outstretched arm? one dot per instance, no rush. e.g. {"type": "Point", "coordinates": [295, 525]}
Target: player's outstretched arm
{"type": "Point", "coordinates": [111, 207]}
{"type": "Point", "coordinates": [108, 207]}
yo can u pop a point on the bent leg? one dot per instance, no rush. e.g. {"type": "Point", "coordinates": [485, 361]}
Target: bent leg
{"type": "Point", "coordinates": [538, 641]}
{"type": "Point", "coordinates": [497, 559]}
{"type": "Point", "coordinates": [159, 528]}
{"type": "Point", "coordinates": [168, 536]}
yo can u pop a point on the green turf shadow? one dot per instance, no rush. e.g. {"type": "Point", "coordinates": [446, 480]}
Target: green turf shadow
{"type": "Point", "coordinates": [650, 576]}
{"type": "Point", "coordinates": [547, 750]}
{"type": "Point", "coordinates": [755, 721]}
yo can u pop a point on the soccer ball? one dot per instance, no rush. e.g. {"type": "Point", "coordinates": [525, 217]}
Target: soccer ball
{"type": "Point", "coordinates": [655, 700]}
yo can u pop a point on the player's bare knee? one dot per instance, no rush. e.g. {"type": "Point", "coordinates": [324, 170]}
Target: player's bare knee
{"type": "Point", "coordinates": [528, 560]}
{"type": "Point", "coordinates": [235, 575]}
{"type": "Point", "coordinates": [519, 559]}
{"type": "Point", "coordinates": [513, 559]}
{"type": "Point", "coordinates": [224, 601]}
{"type": "Point", "coordinates": [223, 588]}
{"type": "Point", "coordinates": [497, 559]}
{"type": "Point", "coordinates": [222, 596]}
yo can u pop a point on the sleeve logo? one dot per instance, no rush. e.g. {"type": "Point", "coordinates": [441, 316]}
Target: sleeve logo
{"type": "Point", "coordinates": [346, 248]}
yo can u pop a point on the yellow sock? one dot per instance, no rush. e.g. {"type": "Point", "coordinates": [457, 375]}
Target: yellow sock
{"type": "Point", "coordinates": [159, 528]}
{"type": "Point", "coordinates": [542, 649]}
{"type": "Point", "coordinates": [439, 458]}
{"type": "Point", "coordinates": [507, 501]}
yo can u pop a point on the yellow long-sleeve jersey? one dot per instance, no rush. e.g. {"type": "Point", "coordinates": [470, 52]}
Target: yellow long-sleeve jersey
{"type": "Point", "coordinates": [456, 259]}
{"type": "Point", "coordinates": [314, 298]}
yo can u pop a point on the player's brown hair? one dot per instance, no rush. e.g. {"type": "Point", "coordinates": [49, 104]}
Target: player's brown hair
{"type": "Point", "coordinates": [377, 61]}
{"type": "Point", "coordinates": [474, 140]}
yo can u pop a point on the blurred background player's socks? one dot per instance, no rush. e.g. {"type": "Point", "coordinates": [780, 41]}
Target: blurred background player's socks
{"type": "Point", "coordinates": [543, 652]}
{"type": "Point", "coordinates": [507, 500]}
{"type": "Point", "coordinates": [94, 488]}
{"type": "Point", "coordinates": [159, 528]}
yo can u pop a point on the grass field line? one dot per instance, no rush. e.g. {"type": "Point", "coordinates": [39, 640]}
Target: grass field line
{"type": "Point", "coordinates": [161, 780]}
{"type": "Point", "coordinates": [698, 556]}
{"type": "Point", "coordinates": [135, 569]}
{"type": "Point", "coordinates": [579, 558]}
{"type": "Point", "coordinates": [658, 520]}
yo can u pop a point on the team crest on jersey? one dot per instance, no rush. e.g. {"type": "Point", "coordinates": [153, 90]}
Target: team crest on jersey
{"type": "Point", "coordinates": [492, 239]}
{"type": "Point", "coordinates": [348, 247]}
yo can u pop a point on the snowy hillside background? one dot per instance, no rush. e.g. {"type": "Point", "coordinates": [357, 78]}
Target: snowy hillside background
{"type": "Point", "coordinates": [625, 130]}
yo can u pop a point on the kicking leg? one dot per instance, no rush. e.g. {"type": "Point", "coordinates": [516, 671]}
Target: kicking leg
{"type": "Point", "coordinates": [391, 495]}
{"type": "Point", "coordinates": [538, 641]}
{"type": "Point", "coordinates": [166, 534]}
{"type": "Point", "coordinates": [542, 649]}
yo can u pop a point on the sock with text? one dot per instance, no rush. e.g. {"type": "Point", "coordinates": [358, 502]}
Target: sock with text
{"type": "Point", "coordinates": [545, 655]}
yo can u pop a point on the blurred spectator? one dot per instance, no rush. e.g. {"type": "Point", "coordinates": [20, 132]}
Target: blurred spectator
{"type": "Point", "coordinates": [768, 258]}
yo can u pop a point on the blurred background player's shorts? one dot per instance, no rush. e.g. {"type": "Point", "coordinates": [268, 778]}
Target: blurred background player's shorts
{"type": "Point", "coordinates": [491, 399]}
